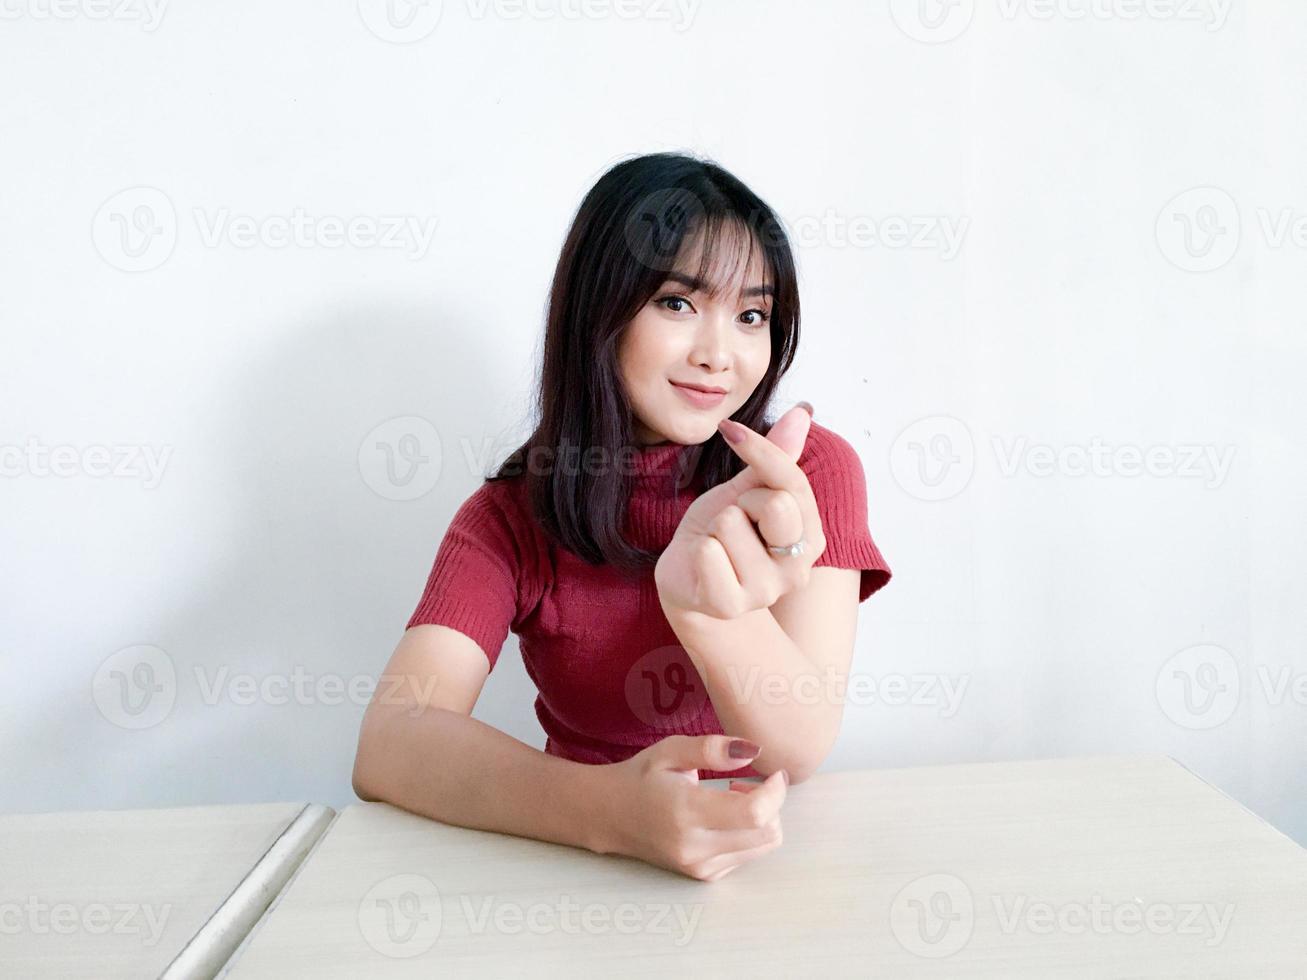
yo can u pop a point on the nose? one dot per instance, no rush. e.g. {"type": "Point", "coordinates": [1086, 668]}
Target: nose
{"type": "Point", "coordinates": [712, 339]}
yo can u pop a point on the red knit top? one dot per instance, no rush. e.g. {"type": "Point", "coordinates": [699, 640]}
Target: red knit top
{"type": "Point", "coordinates": [611, 675]}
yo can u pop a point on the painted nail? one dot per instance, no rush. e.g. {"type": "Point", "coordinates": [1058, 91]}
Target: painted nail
{"type": "Point", "coordinates": [731, 429]}
{"type": "Point", "coordinates": [742, 748]}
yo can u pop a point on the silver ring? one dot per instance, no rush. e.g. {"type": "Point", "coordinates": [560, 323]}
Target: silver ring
{"type": "Point", "coordinates": [788, 551]}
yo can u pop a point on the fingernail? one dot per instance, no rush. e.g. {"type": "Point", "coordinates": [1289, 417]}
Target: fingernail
{"type": "Point", "coordinates": [785, 776]}
{"type": "Point", "coordinates": [742, 748]}
{"type": "Point", "coordinates": [731, 429]}
{"type": "Point", "coordinates": [807, 407]}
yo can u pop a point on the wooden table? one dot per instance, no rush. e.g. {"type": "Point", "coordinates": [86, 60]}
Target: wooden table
{"type": "Point", "coordinates": [143, 893]}
{"type": "Point", "coordinates": [1112, 866]}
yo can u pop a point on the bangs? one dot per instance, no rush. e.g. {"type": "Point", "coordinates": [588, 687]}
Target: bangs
{"type": "Point", "coordinates": [725, 247]}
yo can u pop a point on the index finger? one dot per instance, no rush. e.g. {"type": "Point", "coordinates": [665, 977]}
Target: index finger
{"type": "Point", "coordinates": [771, 460]}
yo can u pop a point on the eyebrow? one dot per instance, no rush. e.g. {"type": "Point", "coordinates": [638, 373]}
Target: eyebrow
{"type": "Point", "coordinates": [697, 285]}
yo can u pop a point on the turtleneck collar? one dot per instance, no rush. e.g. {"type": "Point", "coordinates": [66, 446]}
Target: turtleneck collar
{"type": "Point", "coordinates": [661, 466]}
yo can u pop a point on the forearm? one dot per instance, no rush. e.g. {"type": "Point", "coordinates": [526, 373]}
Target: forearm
{"type": "Point", "coordinates": [764, 688]}
{"type": "Point", "coordinates": [453, 768]}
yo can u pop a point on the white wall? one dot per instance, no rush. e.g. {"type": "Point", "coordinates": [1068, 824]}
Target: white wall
{"type": "Point", "coordinates": [1060, 609]}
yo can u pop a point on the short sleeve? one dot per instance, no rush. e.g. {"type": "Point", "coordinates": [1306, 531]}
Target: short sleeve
{"type": "Point", "coordinates": [835, 473]}
{"type": "Point", "coordinates": [473, 586]}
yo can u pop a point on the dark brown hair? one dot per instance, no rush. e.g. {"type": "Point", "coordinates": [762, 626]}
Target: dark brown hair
{"type": "Point", "coordinates": [626, 236]}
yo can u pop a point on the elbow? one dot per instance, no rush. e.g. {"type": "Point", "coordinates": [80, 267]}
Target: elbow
{"type": "Point", "coordinates": [797, 776]}
{"type": "Point", "coordinates": [360, 784]}
{"type": "Point", "coordinates": [797, 770]}
{"type": "Point", "coordinates": [362, 778]}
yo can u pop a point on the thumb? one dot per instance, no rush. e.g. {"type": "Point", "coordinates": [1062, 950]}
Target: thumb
{"type": "Point", "coordinates": [790, 431]}
{"type": "Point", "coordinates": [707, 752]}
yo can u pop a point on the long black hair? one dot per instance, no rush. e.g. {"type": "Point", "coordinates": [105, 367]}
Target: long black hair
{"type": "Point", "coordinates": [626, 236]}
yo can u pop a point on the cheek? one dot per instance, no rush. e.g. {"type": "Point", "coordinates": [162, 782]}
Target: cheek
{"type": "Point", "coordinates": [757, 358]}
{"type": "Point", "coordinates": [648, 351]}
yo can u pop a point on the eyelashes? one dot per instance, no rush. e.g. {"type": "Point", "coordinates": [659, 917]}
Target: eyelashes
{"type": "Point", "coordinates": [763, 315]}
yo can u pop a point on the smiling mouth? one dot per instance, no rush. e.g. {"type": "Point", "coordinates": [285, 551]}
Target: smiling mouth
{"type": "Point", "coordinates": [700, 399]}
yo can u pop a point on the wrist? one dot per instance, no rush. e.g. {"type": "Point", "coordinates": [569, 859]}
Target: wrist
{"type": "Point", "coordinates": [595, 813]}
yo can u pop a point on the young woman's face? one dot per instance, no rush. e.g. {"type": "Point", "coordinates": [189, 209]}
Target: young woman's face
{"type": "Point", "coordinates": [683, 336]}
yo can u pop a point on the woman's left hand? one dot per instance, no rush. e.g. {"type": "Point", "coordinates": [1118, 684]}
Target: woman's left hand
{"type": "Point", "coordinates": [717, 564]}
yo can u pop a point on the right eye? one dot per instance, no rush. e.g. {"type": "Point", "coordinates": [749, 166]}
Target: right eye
{"type": "Point", "coordinates": [672, 299]}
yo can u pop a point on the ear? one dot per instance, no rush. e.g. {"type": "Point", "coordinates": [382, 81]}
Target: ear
{"type": "Point", "coordinates": [790, 431]}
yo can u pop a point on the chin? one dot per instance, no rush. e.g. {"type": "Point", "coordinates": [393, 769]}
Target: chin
{"type": "Point", "coordinates": [694, 431]}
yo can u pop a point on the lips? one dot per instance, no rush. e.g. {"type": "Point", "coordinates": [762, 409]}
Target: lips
{"type": "Point", "coordinates": [699, 398]}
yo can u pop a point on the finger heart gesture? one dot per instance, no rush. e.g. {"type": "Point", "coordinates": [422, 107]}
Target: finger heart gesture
{"type": "Point", "coordinates": [718, 564]}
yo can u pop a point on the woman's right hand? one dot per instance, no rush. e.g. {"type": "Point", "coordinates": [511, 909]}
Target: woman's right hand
{"type": "Point", "coordinates": [656, 810]}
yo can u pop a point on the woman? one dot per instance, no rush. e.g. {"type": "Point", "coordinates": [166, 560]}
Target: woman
{"type": "Point", "coordinates": [619, 543]}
